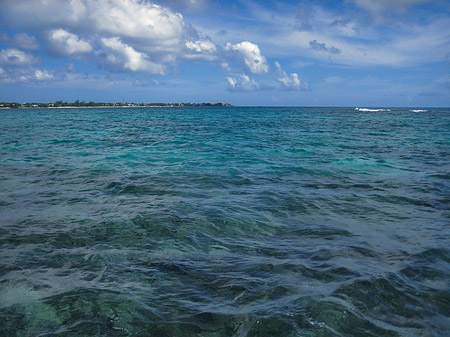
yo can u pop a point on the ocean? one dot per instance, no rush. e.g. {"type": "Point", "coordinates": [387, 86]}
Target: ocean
{"type": "Point", "coordinates": [225, 221]}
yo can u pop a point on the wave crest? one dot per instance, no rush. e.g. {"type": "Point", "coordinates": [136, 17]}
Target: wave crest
{"type": "Point", "coordinates": [371, 110]}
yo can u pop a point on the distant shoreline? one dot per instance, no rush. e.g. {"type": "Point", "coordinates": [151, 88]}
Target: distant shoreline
{"type": "Point", "coordinates": [84, 107]}
{"type": "Point", "coordinates": [78, 105]}
{"type": "Point", "coordinates": [182, 105]}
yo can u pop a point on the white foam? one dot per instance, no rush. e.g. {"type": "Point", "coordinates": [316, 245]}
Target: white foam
{"type": "Point", "coordinates": [418, 110]}
{"type": "Point", "coordinates": [371, 110]}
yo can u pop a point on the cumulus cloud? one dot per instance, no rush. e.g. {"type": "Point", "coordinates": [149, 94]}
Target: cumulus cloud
{"type": "Point", "coordinates": [201, 50]}
{"type": "Point", "coordinates": [18, 66]}
{"type": "Point", "coordinates": [24, 75]}
{"type": "Point", "coordinates": [125, 57]}
{"type": "Point", "coordinates": [118, 35]}
{"type": "Point", "coordinates": [323, 47]}
{"type": "Point", "coordinates": [159, 37]}
{"type": "Point", "coordinates": [128, 36]}
{"type": "Point", "coordinates": [16, 58]}
{"type": "Point", "coordinates": [155, 32]}
{"type": "Point", "coordinates": [139, 20]}
{"type": "Point", "coordinates": [42, 75]}
{"type": "Point", "coordinates": [251, 56]}
{"type": "Point", "coordinates": [290, 82]}
{"type": "Point", "coordinates": [148, 20]}
{"type": "Point", "coordinates": [201, 46]}
{"type": "Point", "coordinates": [67, 43]}
{"type": "Point", "coordinates": [242, 83]}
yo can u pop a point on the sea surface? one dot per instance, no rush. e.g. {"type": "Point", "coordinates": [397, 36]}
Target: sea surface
{"type": "Point", "coordinates": [225, 221]}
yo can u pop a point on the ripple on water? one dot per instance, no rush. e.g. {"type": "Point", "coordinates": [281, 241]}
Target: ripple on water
{"type": "Point", "coordinates": [224, 222]}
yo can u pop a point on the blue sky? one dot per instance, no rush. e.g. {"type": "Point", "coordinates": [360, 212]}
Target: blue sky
{"type": "Point", "coordinates": [305, 53]}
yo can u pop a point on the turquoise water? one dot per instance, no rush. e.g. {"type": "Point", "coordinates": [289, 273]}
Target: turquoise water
{"type": "Point", "coordinates": [224, 222]}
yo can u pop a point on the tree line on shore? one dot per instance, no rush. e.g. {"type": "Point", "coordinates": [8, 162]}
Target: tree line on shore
{"type": "Point", "coordinates": [78, 103]}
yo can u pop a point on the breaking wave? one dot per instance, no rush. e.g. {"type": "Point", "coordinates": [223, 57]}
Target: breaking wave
{"type": "Point", "coordinates": [371, 110]}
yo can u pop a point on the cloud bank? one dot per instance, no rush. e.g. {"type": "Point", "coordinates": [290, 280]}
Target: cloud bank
{"type": "Point", "coordinates": [125, 36]}
{"type": "Point", "coordinates": [232, 46]}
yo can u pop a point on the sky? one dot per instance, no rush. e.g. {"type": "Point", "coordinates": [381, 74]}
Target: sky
{"type": "Point", "coordinates": [365, 53]}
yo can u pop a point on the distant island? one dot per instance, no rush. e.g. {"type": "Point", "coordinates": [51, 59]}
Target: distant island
{"type": "Point", "coordinates": [83, 104]}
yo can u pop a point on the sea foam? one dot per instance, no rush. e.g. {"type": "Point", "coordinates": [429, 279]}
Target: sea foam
{"type": "Point", "coordinates": [371, 110]}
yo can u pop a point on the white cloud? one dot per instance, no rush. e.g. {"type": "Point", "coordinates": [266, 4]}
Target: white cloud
{"type": "Point", "coordinates": [79, 10]}
{"type": "Point", "coordinates": [242, 83]}
{"type": "Point", "coordinates": [251, 56]}
{"type": "Point", "coordinates": [226, 67]}
{"type": "Point", "coordinates": [68, 43]}
{"type": "Point", "coordinates": [201, 46]}
{"type": "Point", "coordinates": [408, 45]}
{"type": "Point", "coordinates": [201, 49]}
{"type": "Point", "coordinates": [290, 82]}
{"type": "Point", "coordinates": [139, 20]}
{"type": "Point", "coordinates": [419, 39]}
{"type": "Point", "coordinates": [152, 30]}
{"type": "Point", "coordinates": [25, 41]}
{"type": "Point", "coordinates": [415, 46]}
{"type": "Point", "coordinates": [42, 75]}
{"type": "Point", "coordinates": [17, 66]}
{"type": "Point", "coordinates": [155, 37]}
{"type": "Point", "coordinates": [16, 58]}
{"type": "Point", "coordinates": [127, 58]}
{"type": "Point", "coordinates": [164, 38]}
{"type": "Point", "coordinates": [24, 75]}
{"type": "Point", "coordinates": [134, 19]}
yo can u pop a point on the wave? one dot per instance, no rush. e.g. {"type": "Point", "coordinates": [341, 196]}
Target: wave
{"type": "Point", "coordinates": [247, 222]}
{"type": "Point", "coordinates": [371, 110]}
{"type": "Point", "coordinates": [418, 110]}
